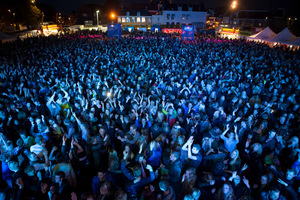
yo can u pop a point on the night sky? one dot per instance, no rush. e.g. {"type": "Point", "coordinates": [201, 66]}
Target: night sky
{"type": "Point", "coordinates": [66, 6]}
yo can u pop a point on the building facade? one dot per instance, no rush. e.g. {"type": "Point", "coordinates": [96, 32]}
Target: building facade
{"type": "Point", "coordinates": [180, 17]}
{"type": "Point", "coordinates": [137, 20]}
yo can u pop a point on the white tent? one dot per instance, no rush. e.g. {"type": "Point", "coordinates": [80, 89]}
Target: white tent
{"type": "Point", "coordinates": [7, 38]}
{"type": "Point", "coordinates": [294, 42]}
{"type": "Point", "coordinates": [267, 33]}
{"type": "Point", "coordinates": [283, 36]}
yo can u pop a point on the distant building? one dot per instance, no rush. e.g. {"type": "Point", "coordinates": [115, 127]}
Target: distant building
{"type": "Point", "coordinates": [181, 15]}
{"type": "Point", "coordinates": [136, 19]}
{"type": "Point", "coordinates": [252, 18]}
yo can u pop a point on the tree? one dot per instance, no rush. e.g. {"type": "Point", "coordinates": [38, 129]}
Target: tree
{"type": "Point", "coordinates": [26, 12]}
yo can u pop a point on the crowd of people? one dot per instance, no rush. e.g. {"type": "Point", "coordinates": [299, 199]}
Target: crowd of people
{"type": "Point", "coordinates": [149, 118]}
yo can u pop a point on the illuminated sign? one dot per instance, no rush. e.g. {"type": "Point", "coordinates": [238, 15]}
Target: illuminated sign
{"type": "Point", "coordinates": [230, 31]}
{"type": "Point", "coordinates": [188, 33]}
{"type": "Point", "coordinates": [171, 30]}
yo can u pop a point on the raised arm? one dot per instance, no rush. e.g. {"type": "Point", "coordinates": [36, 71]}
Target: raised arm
{"type": "Point", "coordinates": [236, 133]}
{"type": "Point", "coordinates": [190, 156]}
{"type": "Point", "coordinates": [223, 134]}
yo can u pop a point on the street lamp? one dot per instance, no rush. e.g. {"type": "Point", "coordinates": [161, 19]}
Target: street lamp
{"type": "Point", "coordinates": [233, 5]}
{"type": "Point", "coordinates": [112, 16]}
{"type": "Point", "coordinates": [97, 12]}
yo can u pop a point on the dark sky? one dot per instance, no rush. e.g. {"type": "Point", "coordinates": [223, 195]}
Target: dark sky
{"type": "Point", "coordinates": [66, 6]}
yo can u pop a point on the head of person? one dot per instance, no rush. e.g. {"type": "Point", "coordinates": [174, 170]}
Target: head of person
{"type": "Point", "coordinates": [29, 170]}
{"type": "Point", "coordinates": [86, 196]}
{"type": "Point", "coordinates": [290, 174]}
{"type": "Point", "coordinates": [32, 157]}
{"type": "Point", "coordinates": [264, 179]}
{"type": "Point", "coordinates": [293, 142]}
{"type": "Point", "coordinates": [101, 175]}
{"type": "Point", "coordinates": [13, 165]}
{"type": "Point", "coordinates": [174, 156]}
{"type": "Point", "coordinates": [137, 171]}
{"type": "Point", "coordinates": [196, 148]}
{"type": "Point", "coordinates": [120, 195]}
{"type": "Point", "coordinates": [133, 129]}
{"type": "Point", "coordinates": [227, 189]}
{"type": "Point", "coordinates": [196, 193]}
{"type": "Point", "coordinates": [164, 185]}
{"type": "Point", "coordinates": [274, 194]}
{"type": "Point", "coordinates": [106, 188]}
{"type": "Point", "coordinates": [257, 147]}
{"type": "Point", "coordinates": [234, 154]}
{"type": "Point", "coordinates": [39, 140]}
{"type": "Point", "coordinates": [272, 134]}
{"type": "Point", "coordinates": [127, 148]}
{"type": "Point", "coordinates": [237, 180]}
{"type": "Point", "coordinates": [59, 177]}
{"type": "Point", "coordinates": [102, 131]}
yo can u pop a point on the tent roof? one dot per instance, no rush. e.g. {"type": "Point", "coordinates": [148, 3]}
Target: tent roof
{"type": "Point", "coordinates": [283, 36]}
{"type": "Point", "coordinates": [4, 36]}
{"type": "Point", "coordinates": [267, 33]}
{"type": "Point", "coordinates": [294, 42]}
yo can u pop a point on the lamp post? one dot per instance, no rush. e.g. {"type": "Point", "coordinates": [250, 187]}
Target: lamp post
{"type": "Point", "coordinates": [112, 16]}
{"type": "Point", "coordinates": [233, 6]}
{"type": "Point", "coordinates": [97, 13]}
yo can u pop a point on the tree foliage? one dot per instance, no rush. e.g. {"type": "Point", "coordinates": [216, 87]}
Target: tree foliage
{"type": "Point", "coordinates": [26, 12]}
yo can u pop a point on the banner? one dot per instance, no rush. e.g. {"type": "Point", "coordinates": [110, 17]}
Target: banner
{"type": "Point", "coordinates": [155, 29]}
{"type": "Point", "coordinates": [143, 29]}
{"type": "Point", "coordinates": [188, 32]}
{"type": "Point", "coordinates": [114, 31]}
{"type": "Point", "coordinates": [129, 29]}
{"type": "Point", "coordinates": [171, 30]}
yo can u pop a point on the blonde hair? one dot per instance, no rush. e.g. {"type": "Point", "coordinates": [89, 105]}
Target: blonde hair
{"type": "Point", "coordinates": [236, 157]}
{"type": "Point", "coordinates": [259, 150]}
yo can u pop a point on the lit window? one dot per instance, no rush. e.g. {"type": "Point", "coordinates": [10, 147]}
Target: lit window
{"type": "Point", "coordinates": [133, 19]}
{"type": "Point", "coordinates": [183, 16]}
{"type": "Point", "coordinates": [127, 19]}
{"type": "Point", "coordinates": [123, 19]}
{"type": "Point", "coordinates": [119, 19]}
{"type": "Point", "coordinates": [138, 19]}
{"type": "Point", "coordinates": [143, 19]}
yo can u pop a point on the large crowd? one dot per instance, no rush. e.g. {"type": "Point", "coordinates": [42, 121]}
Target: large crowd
{"type": "Point", "coordinates": [84, 117]}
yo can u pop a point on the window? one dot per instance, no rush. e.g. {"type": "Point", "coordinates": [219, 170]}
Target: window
{"type": "Point", "coordinates": [138, 14]}
{"type": "Point", "coordinates": [172, 16]}
{"type": "Point", "coordinates": [143, 19]}
{"type": "Point", "coordinates": [127, 19]}
{"type": "Point", "coordinates": [187, 17]}
{"type": "Point", "coordinates": [138, 19]}
{"type": "Point", "coordinates": [123, 19]}
{"type": "Point", "coordinates": [183, 16]}
{"type": "Point", "coordinates": [149, 20]}
{"type": "Point", "coordinates": [133, 19]}
{"type": "Point", "coordinates": [119, 19]}
{"type": "Point", "coordinates": [158, 19]}
{"type": "Point", "coordinates": [168, 16]}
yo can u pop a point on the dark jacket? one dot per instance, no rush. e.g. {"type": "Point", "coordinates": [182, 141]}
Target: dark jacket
{"type": "Point", "coordinates": [175, 171]}
{"type": "Point", "coordinates": [132, 188]}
